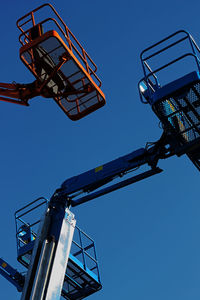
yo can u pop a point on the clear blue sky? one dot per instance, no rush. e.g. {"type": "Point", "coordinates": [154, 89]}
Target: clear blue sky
{"type": "Point", "coordinates": [147, 235]}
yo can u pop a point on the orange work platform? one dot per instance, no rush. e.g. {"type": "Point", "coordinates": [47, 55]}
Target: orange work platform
{"type": "Point", "coordinates": [63, 69]}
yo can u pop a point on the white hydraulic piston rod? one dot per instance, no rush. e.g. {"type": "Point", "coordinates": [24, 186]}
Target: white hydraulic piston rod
{"type": "Point", "coordinates": [61, 257]}
{"type": "Point", "coordinates": [45, 277]}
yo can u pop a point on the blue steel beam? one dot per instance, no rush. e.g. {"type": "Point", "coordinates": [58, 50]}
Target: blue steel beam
{"type": "Point", "coordinates": [103, 174]}
{"type": "Point", "coordinates": [94, 179]}
{"type": "Point", "coordinates": [12, 275]}
{"type": "Point", "coordinates": [116, 186]}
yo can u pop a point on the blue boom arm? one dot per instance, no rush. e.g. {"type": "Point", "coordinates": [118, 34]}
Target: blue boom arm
{"type": "Point", "coordinates": [91, 183]}
{"type": "Point", "coordinates": [12, 275]}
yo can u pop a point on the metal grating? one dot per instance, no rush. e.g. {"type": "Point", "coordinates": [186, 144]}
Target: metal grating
{"type": "Point", "coordinates": [180, 114]}
{"type": "Point", "coordinates": [71, 86]}
{"type": "Point", "coordinates": [58, 61]}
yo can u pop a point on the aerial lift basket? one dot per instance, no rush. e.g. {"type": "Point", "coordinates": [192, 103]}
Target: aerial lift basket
{"type": "Point", "coordinates": [82, 276]}
{"type": "Point", "coordinates": [59, 62]}
{"type": "Point", "coordinates": [177, 102]}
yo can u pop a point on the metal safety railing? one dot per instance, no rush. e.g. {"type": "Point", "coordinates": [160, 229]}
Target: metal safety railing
{"type": "Point", "coordinates": [26, 231]}
{"type": "Point", "coordinates": [28, 21]}
{"type": "Point", "coordinates": [83, 249]}
{"type": "Point", "coordinates": [145, 57]}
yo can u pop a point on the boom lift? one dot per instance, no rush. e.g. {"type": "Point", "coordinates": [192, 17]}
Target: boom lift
{"type": "Point", "coordinates": [176, 104]}
{"type": "Point", "coordinates": [63, 69]}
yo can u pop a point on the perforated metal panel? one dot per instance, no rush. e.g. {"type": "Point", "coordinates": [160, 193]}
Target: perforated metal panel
{"type": "Point", "coordinates": [180, 113]}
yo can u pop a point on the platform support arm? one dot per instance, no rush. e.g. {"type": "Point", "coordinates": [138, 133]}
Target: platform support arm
{"type": "Point", "coordinates": [18, 93]}
{"type": "Point", "coordinates": [11, 274]}
{"type": "Point", "coordinates": [90, 184]}
{"type": "Point", "coordinates": [116, 186]}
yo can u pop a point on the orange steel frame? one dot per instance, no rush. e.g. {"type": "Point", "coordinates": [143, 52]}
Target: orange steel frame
{"type": "Point", "coordinates": [8, 91]}
{"type": "Point", "coordinates": [93, 85]}
{"type": "Point", "coordinates": [23, 92]}
{"type": "Point", "coordinates": [20, 92]}
{"type": "Point", "coordinates": [73, 43]}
